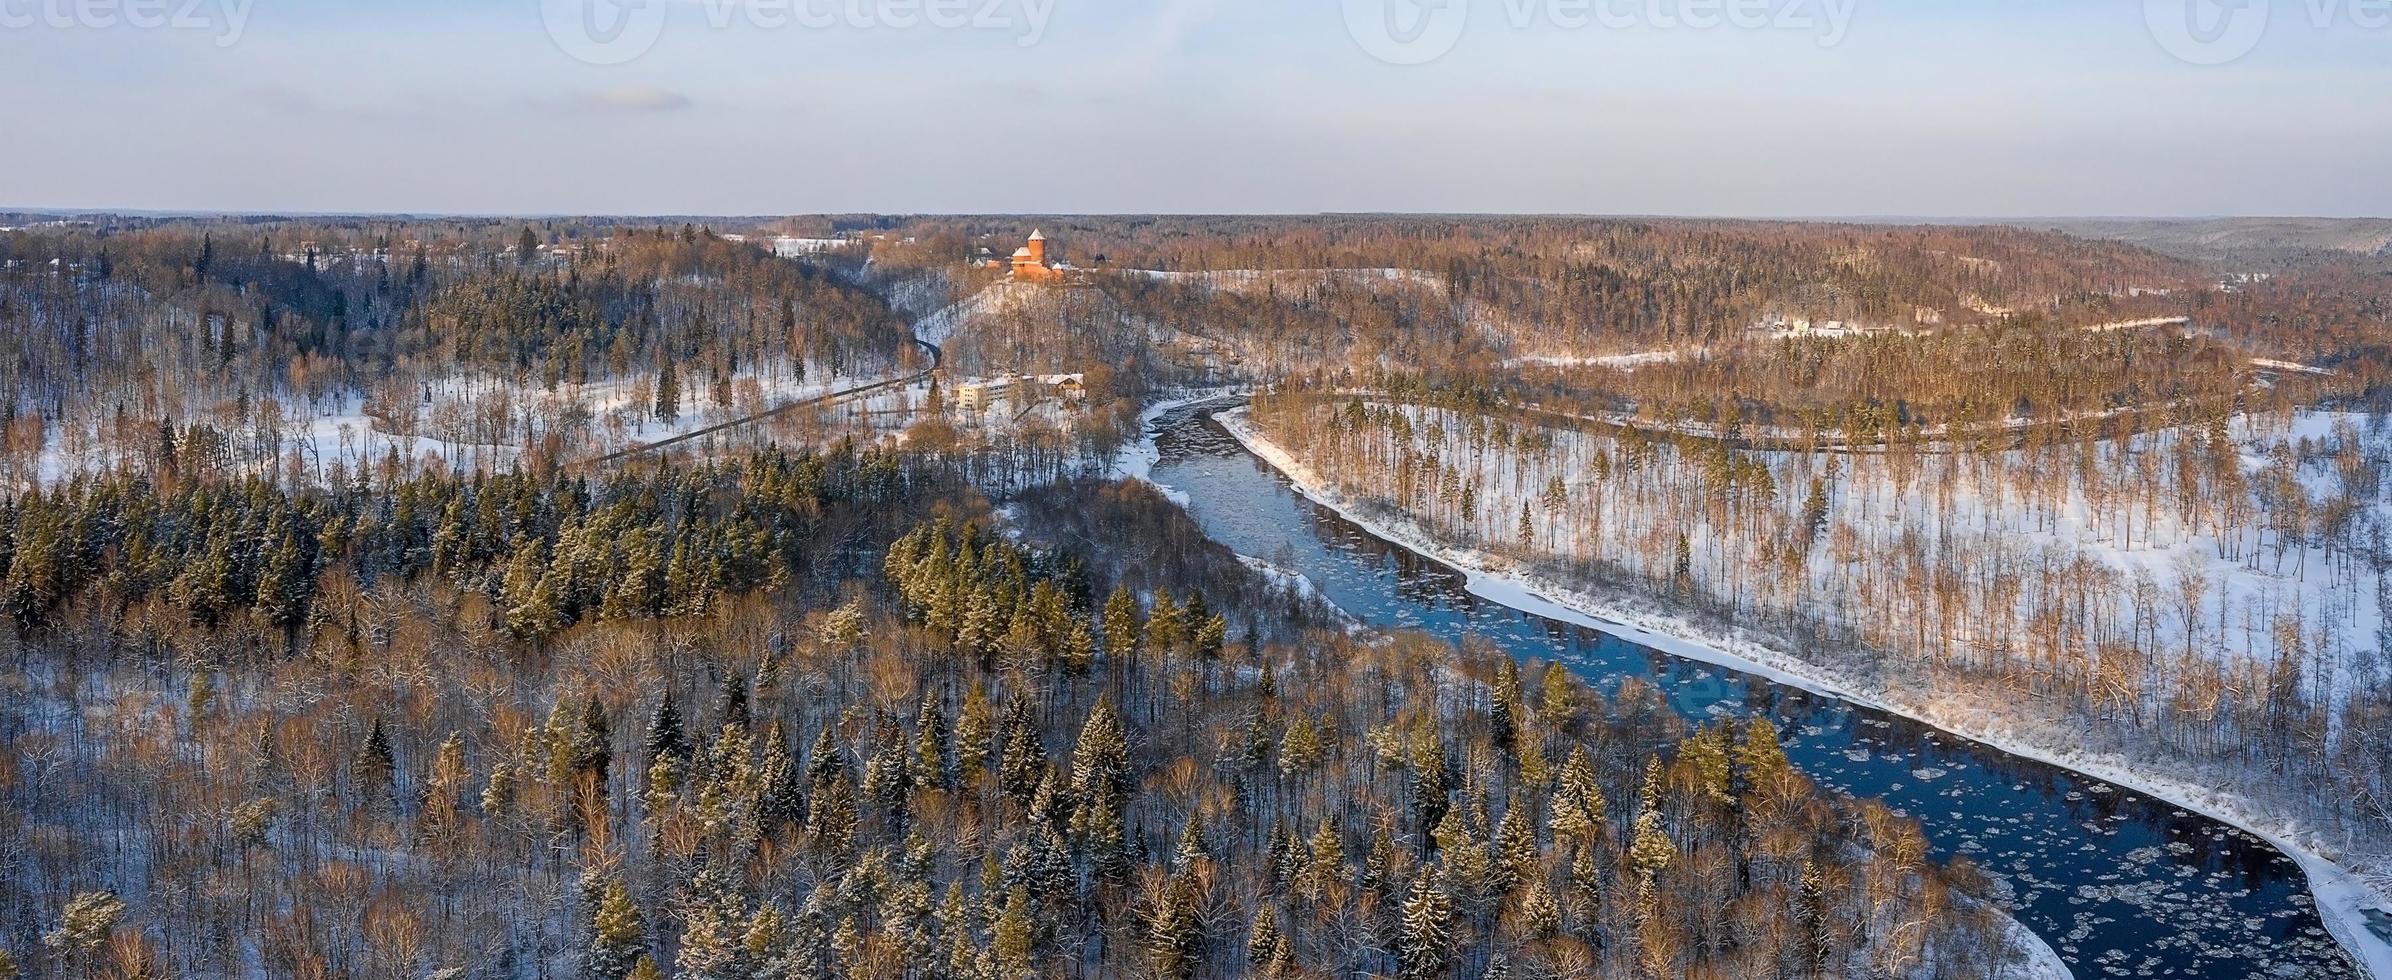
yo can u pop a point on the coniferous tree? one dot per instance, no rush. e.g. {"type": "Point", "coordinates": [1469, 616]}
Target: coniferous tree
{"type": "Point", "coordinates": [668, 391]}
{"type": "Point", "coordinates": [1263, 941]}
{"type": "Point", "coordinates": [375, 765]}
{"type": "Point", "coordinates": [618, 942]}
{"type": "Point", "coordinates": [665, 736]}
{"type": "Point", "coordinates": [1427, 931]}
{"type": "Point", "coordinates": [1122, 629]}
{"type": "Point", "coordinates": [1175, 935]}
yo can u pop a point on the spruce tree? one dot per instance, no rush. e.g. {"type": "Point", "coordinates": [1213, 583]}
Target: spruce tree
{"type": "Point", "coordinates": [1264, 939]}
{"type": "Point", "coordinates": [668, 391]}
{"type": "Point", "coordinates": [1122, 629]}
{"type": "Point", "coordinates": [1175, 936]}
{"type": "Point", "coordinates": [1578, 807]}
{"type": "Point", "coordinates": [618, 942]}
{"type": "Point", "coordinates": [375, 766]}
{"type": "Point", "coordinates": [1427, 932]}
{"type": "Point", "coordinates": [1100, 769]}
{"type": "Point", "coordinates": [665, 737]}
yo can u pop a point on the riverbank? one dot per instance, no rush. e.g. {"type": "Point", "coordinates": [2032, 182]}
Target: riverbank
{"type": "Point", "coordinates": [2341, 897]}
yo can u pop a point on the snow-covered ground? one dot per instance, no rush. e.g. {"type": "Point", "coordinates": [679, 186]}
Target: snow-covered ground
{"type": "Point", "coordinates": [1623, 362]}
{"type": "Point", "coordinates": [790, 248]}
{"type": "Point", "coordinates": [2039, 961]}
{"type": "Point", "coordinates": [461, 422]}
{"type": "Point", "coordinates": [2232, 586]}
{"type": "Point", "coordinates": [2156, 321]}
{"type": "Point", "coordinates": [2343, 899]}
{"type": "Point", "coordinates": [991, 301]}
{"type": "Point", "coordinates": [1249, 278]}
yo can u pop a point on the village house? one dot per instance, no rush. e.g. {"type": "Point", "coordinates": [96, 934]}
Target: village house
{"type": "Point", "coordinates": [981, 394]}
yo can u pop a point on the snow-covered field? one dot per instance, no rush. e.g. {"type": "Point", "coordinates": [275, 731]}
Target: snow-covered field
{"type": "Point", "coordinates": [1623, 362]}
{"type": "Point", "coordinates": [2343, 899]}
{"type": "Point", "coordinates": [460, 423]}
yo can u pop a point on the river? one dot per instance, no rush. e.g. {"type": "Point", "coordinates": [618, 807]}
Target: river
{"type": "Point", "coordinates": [2119, 883]}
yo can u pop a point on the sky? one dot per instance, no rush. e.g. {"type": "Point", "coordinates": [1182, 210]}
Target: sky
{"type": "Point", "coordinates": [1762, 108]}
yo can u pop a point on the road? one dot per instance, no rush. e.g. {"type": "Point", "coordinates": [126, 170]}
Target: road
{"type": "Point", "coordinates": [936, 355]}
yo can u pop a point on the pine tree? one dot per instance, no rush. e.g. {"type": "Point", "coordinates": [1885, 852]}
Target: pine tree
{"type": "Point", "coordinates": [1503, 715]}
{"type": "Point", "coordinates": [1559, 701]}
{"type": "Point", "coordinates": [1193, 846]}
{"type": "Point", "coordinates": [1263, 941]}
{"type": "Point", "coordinates": [1814, 511]}
{"type": "Point", "coordinates": [1681, 574]}
{"type": "Point", "coordinates": [1578, 806]}
{"type": "Point", "coordinates": [972, 734]}
{"type": "Point", "coordinates": [1760, 755]}
{"type": "Point", "coordinates": [778, 798]}
{"type": "Point", "coordinates": [1014, 936]}
{"type": "Point", "coordinates": [526, 246]}
{"type": "Point", "coordinates": [711, 932]}
{"type": "Point", "coordinates": [1023, 760]}
{"type": "Point", "coordinates": [1650, 850]}
{"type": "Point", "coordinates": [283, 583]}
{"type": "Point", "coordinates": [593, 743]}
{"type": "Point", "coordinates": [731, 708]}
{"type": "Point", "coordinates": [1122, 629]}
{"type": "Point", "coordinates": [668, 391]}
{"type": "Point", "coordinates": [618, 942]}
{"type": "Point", "coordinates": [1430, 785]}
{"type": "Point", "coordinates": [84, 926]}
{"type": "Point", "coordinates": [930, 757]}
{"type": "Point", "coordinates": [1165, 626]}
{"type": "Point", "coordinates": [1300, 750]}
{"type": "Point", "coordinates": [665, 737]}
{"type": "Point", "coordinates": [1175, 936]}
{"type": "Point", "coordinates": [529, 594]}
{"type": "Point", "coordinates": [1705, 755]}
{"type": "Point", "coordinates": [1100, 767]}
{"type": "Point", "coordinates": [375, 766]}
{"type": "Point", "coordinates": [1427, 933]}
{"type": "Point", "coordinates": [1810, 919]}
{"type": "Point", "coordinates": [1468, 868]}
{"type": "Point", "coordinates": [1517, 860]}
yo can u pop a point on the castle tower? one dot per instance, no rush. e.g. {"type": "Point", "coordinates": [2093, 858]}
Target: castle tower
{"type": "Point", "coordinates": [1030, 261]}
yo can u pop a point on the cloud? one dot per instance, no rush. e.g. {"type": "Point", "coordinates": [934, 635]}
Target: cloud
{"type": "Point", "coordinates": [295, 102]}
{"type": "Point", "coordinates": [627, 100]}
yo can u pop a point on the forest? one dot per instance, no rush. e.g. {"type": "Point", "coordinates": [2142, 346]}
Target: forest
{"type": "Point", "coordinates": [416, 735]}
{"type": "Point", "coordinates": [763, 598]}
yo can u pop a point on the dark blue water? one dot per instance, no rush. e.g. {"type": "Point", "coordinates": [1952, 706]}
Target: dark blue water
{"type": "Point", "coordinates": [2121, 884]}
